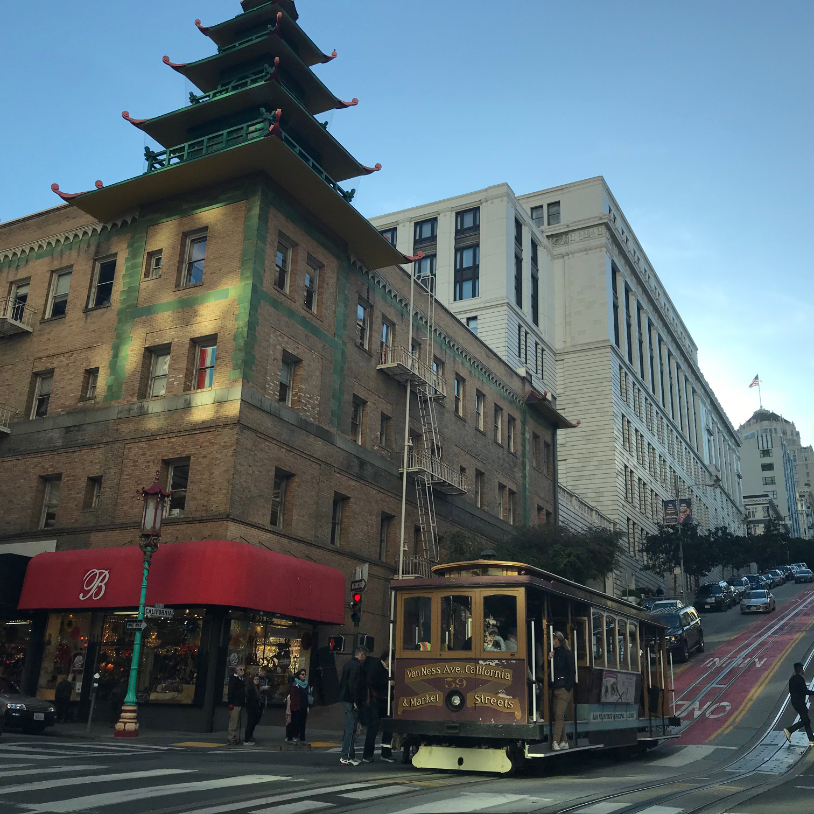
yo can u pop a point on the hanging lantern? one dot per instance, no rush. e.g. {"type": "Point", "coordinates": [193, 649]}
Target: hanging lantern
{"type": "Point", "coordinates": [154, 499]}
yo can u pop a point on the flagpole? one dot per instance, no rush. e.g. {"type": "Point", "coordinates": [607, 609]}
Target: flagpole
{"type": "Point", "coordinates": [759, 394]}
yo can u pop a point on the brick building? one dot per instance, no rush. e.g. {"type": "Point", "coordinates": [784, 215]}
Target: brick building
{"type": "Point", "coordinates": [219, 319]}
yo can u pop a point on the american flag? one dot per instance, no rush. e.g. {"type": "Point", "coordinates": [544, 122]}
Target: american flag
{"type": "Point", "coordinates": [755, 382]}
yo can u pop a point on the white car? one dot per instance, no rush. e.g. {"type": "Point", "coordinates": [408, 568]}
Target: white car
{"type": "Point", "coordinates": [758, 602]}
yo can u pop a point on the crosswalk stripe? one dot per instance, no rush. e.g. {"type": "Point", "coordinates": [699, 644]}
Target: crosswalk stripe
{"type": "Point", "coordinates": [295, 808]}
{"type": "Point", "coordinates": [472, 802]}
{"type": "Point", "coordinates": [60, 782]}
{"type": "Point", "coordinates": [661, 810]}
{"type": "Point", "coordinates": [15, 772]}
{"type": "Point", "coordinates": [92, 801]}
{"type": "Point", "coordinates": [382, 791]}
{"type": "Point", "coordinates": [603, 808]}
{"type": "Point", "coordinates": [4, 755]}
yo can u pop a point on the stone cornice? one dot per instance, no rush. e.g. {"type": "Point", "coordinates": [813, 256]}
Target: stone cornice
{"type": "Point", "coordinates": [68, 236]}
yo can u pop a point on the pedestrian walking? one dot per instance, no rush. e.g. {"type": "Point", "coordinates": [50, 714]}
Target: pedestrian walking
{"type": "Point", "coordinates": [799, 692]}
{"type": "Point", "coordinates": [62, 700]}
{"type": "Point", "coordinates": [563, 683]}
{"type": "Point", "coordinates": [378, 683]}
{"type": "Point", "coordinates": [353, 695]}
{"type": "Point", "coordinates": [236, 698]}
{"type": "Point", "coordinates": [300, 696]}
{"type": "Point", "coordinates": [254, 709]}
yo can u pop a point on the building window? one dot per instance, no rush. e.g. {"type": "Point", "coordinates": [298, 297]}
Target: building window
{"type": "Point", "coordinates": [363, 325]}
{"type": "Point", "coordinates": [769, 481]}
{"type": "Point", "coordinates": [384, 431]}
{"type": "Point", "coordinates": [282, 264]}
{"type": "Point", "coordinates": [772, 495]}
{"type": "Point", "coordinates": [287, 372]}
{"type": "Point", "coordinates": [386, 344]}
{"type": "Point", "coordinates": [467, 221]}
{"type": "Point", "coordinates": [152, 271]}
{"type": "Point", "coordinates": [510, 432]}
{"type": "Point", "coordinates": [336, 519]}
{"type": "Point", "coordinates": [312, 284]}
{"type": "Point", "coordinates": [518, 232]}
{"type": "Point", "coordinates": [357, 419]}
{"type": "Point", "coordinates": [767, 467]}
{"type": "Point", "coordinates": [424, 269]}
{"type": "Point", "coordinates": [628, 325]}
{"type": "Point", "coordinates": [536, 450]}
{"type": "Point", "coordinates": [58, 295]}
{"type": "Point", "coordinates": [640, 339]}
{"type": "Point", "coordinates": [535, 296]}
{"type": "Point", "coordinates": [479, 480]}
{"type": "Point", "coordinates": [278, 495]}
{"type": "Point", "coordinates": [19, 299]}
{"type": "Point", "coordinates": [90, 379]}
{"type": "Point", "coordinates": [501, 501]}
{"type": "Point", "coordinates": [615, 308]}
{"type": "Point", "coordinates": [93, 493]}
{"type": "Point", "coordinates": [460, 396]}
{"type": "Point", "coordinates": [536, 358]}
{"type": "Point", "coordinates": [548, 461]}
{"type": "Point", "coordinates": [498, 425]}
{"type": "Point", "coordinates": [384, 530]}
{"type": "Point", "coordinates": [766, 453]}
{"type": "Point", "coordinates": [467, 270]}
{"type": "Point", "coordinates": [510, 507]}
{"type": "Point", "coordinates": [177, 480]}
{"type": "Point", "coordinates": [526, 348]}
{"type": "Point", "coordinates": [159, 370]}
{"type": "Point", "coordinates": [519, 341]}
{"type": "Point", "coordinates": [472, 324]}
{"type": "Point", "coordinates": [43, 382]}
{"type": "Point", "coordinates": [426, 230]}
{"type": "Point", "coordinates": [194, 266]}
{"type": "Point", "coordinates": [205, 356]}
{"type": "Point", "coordinates": [518, 281]}
{"type": "Point", "coordinates": [101, 290]}
{"type": "Point", "coordinates": [50, 501]}
{"type": "Point", "coordinates": [553, 213]}
{"type": "Point", "coordinates": [480, 403]}
{"type": "Point", "coordinates": [389, 235]}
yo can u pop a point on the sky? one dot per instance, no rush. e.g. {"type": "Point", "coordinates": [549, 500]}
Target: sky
{"type": "Point", "coordinates": [698, 115]}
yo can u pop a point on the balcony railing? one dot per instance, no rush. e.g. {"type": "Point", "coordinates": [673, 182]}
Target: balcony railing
{"type": "Point", "coordinates": [232, 137]}
{"type": "Point", "coordinates": [441, 475]}
{"type": "Point", "coordinates": [6, 413]}
{"type": "Point", "coordinates": [403, 365]}
{"type": "Point", "coordinates": [413, 566]}
{"type": "Point", "coordinates": [255, 77]}
{"type": "Point", "coordinates": [16, 316]}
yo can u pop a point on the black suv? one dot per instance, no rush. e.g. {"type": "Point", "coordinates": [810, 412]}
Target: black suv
{"type": "Point", "coordinates": [685, 632]}
{"type": "Point", "coordinates": [713, 596]}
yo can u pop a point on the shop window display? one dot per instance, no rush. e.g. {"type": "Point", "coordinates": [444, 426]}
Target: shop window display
{"type": "Point", "coordinates": [66, 644]}
{"type": "Point", "coordinates": [258, 641]}
{"type": "Point", "coordinates": [168, 668]}
{"type": "Point", "coordinates": [14, 638]}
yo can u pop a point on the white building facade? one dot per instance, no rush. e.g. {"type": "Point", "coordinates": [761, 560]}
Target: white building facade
{"type": "Point", "coordinates": [623, 362]}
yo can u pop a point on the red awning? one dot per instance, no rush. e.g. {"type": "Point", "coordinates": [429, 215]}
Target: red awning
{"type": "Point", "coordinates": [203, 572]}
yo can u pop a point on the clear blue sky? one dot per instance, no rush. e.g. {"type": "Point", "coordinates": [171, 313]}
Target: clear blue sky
{"type": "Point", "coordinates": [698, 114]}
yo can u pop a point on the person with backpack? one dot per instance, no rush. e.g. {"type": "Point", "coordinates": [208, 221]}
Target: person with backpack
{"type": "Point", "coordinates": [300, 697]}
{"type": "Point", "coordinates": [353, 695]}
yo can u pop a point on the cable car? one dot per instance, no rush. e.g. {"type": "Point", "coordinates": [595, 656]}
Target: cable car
{"type": "Point", "coordinates": [472, 673]}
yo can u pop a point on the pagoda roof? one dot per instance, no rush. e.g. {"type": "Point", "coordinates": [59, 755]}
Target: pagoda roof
{"type": "Point", "coordinates": [172, 128]}
{"type": "Point", "coordinates": [286, 5]}
{"type": "Point", "coordinates": [205, 73]}
{"type": "Point", "coordinates": [266, 155]}
{"type": "Point", "coordinates": [223, 34]}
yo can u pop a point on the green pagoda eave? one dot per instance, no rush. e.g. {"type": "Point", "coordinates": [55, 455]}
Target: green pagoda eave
{"type": "Point", "coordinates": [286, 5]}
{"type": "Point", "coordinates": [268, 155]}
{"type": "Point", "coordinates": [172, 128]}
{"type": "Point", "coordinates": [223, 34]}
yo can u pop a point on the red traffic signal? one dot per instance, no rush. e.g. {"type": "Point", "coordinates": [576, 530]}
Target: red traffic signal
{"type": "Point", "coordinates": [357, 597]}
{"type": "Point", "coordinates": [336, 644]}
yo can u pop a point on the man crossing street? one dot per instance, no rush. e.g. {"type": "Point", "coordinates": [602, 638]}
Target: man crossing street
{"type": "Point", "coordinates": [799, 692]}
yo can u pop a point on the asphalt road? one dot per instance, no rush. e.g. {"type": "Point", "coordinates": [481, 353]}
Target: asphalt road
{"type": "Point", "coordinates": [735, 759]}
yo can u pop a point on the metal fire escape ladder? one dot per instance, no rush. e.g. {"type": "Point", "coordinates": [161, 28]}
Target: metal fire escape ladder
{"type": "Point", "coordinates": [424, 478]}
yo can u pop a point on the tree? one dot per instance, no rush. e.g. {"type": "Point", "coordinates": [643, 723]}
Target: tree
{"type": "Point", "coordinates": [663, 550]}
{"type": "Point", "coordinates": [728, 549]}
{"type": "Point", "coordinates": [771, 547]}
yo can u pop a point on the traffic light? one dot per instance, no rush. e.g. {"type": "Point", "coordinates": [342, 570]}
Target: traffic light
{"type": "Point", "coordinates": [356, 608]}
{"type": "Point", "coordinates": [367, 641]}
{"type": "Point", "coordinates": [336, 644]}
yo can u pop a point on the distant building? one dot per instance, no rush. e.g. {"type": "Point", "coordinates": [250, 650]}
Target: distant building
{"type": "Point", "coordinates": [759, 510]}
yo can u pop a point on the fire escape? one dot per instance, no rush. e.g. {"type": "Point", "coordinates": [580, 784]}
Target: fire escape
{"type": "Point", "coordinates": [423, 453]}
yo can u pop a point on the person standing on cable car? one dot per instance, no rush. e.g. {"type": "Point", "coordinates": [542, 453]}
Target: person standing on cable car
{"type": "Point", "coordinates": [563, 682]}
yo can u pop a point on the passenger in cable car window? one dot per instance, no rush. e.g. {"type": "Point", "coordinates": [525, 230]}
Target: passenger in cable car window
{"type": "Point", "coordinates": [493, 641]}
{"type": "Point", "coordinates": [510, 642]}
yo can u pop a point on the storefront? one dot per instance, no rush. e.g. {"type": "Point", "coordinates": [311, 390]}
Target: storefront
{"type": "Point", "coordinates": [15, 627]}
{"type": "Point", "coordinates": [226, 604]}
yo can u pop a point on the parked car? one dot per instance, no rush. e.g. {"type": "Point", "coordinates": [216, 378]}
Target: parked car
{"type": "Point", "coordinates": [804, 575]}
{"type": "Point", "coordinates": [20, 711]}
{"type": "Point", "coordinates": [667, 604]}
{"type": "Point", "coordinates": [787, 571]}
{"type": "Point", "coordinates": [712, 595]}
{"type": "Point", "coordinates": [779, 576]}
{"type": "Point", "coordinates": [685, 632]}
{"type": "Point", "coordinates": [754, 581]}
{"type": "Point", "coordinates": [799, 565]}
{"type": "Point", "coordinates": [740, 586]}
{"type": "Point", "coordinates": [758, 602]}
{"type": "Point", "coordinates": [771, 580]}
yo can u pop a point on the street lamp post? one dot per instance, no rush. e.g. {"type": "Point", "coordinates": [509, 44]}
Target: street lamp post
{"type": "Point", "coordinates": [154, 497]}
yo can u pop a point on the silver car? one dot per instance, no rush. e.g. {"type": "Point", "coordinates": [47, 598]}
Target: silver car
{"type": "Point", "coordinates": [758, 602]}
{"type": "Point", "coordinates": [22, 711]}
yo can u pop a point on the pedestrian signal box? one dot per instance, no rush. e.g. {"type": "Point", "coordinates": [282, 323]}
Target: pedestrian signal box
{"type": "Point", "coordinates": [367, 641]}
{"type": "Point", "coordinates": [336, 644]}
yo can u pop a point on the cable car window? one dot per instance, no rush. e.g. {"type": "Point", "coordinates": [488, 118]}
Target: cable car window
{"type": "Point", "coordinates": [633, 645]}
{"type": "Point", "coordinates": [456, 622]}
{"type": "Point", "coordinates": [417, 630]}
{"type": "Point", "coordinates": [500, 622]}
{"type": "Point", "coordinates": [581, 627]}
{"type": "Point", "coordinates": [621, 638]}
{"type": "Point", "coordinates": [598, 633]}
{"type": "Point", "coordinates": [610, 638]}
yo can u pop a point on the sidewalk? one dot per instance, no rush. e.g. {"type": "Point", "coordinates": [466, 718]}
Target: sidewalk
{"type": "Point", "coordinates": [325, 727]}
